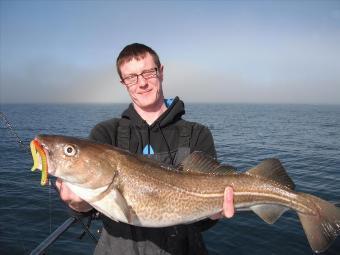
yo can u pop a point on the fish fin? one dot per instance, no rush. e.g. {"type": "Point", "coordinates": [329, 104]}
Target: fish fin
{"type": "Point", "coordinates": [153, 162]}
{"type": "Point", "coordinates": [119, 205]}
{"type": "Point", "coordinates": [198, 162]}
{"type": "Point", "coordinates": [321, 229]}
{"type": "Point", "coordinates": [123, 206]}
{"type": "Point", "coordinates": [269, 212]}
{"type": "Point", "coordinates": [108, 201]}
{"type": "Point", "coordinates": [272, 169]}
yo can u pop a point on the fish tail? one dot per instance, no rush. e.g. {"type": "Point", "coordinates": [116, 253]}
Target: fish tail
{"type": "Point", "coordinates": [323, 227]}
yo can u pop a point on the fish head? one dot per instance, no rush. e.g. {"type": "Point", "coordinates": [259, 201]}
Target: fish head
{"type": "Point", "coordinates": [77, 161]}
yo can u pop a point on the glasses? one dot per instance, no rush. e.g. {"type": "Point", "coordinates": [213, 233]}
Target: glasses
{"type": "Point", "coordinates": [133, 78]}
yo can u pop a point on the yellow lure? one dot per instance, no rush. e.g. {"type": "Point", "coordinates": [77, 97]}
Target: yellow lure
{"type": "Point", "coordinates": [35, 150]}
{"type": "Point", "coordinates": [34, 156]}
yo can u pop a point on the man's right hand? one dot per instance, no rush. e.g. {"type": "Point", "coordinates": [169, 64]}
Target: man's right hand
{"type": "Point", "coordinates": [71, 199]}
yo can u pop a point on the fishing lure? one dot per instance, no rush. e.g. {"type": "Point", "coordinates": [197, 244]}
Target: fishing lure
{"type": "Point", "coordinates": [36, 150]}
{"type": "Point", "coordinates": [34, 156]}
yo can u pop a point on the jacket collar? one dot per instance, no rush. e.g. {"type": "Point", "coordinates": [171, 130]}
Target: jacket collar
{"type": "Point", "coordinates": [173, 113]}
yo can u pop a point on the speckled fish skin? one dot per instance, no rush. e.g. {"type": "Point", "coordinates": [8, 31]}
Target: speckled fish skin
{"type": "Point", "coordinates": [143, 192]}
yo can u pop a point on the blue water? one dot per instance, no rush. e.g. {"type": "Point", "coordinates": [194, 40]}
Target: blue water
{"type": "Point", "coordinates": [306, 138]}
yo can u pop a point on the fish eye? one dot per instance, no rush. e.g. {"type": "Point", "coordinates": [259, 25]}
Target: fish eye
{"type": "Point", "coordinates": [69, 150]}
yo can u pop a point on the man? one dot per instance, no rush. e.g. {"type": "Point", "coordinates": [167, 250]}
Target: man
{"type": "Point", "coordinates": [151, 126]}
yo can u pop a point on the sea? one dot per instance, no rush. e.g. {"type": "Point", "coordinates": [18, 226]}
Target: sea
{"type": "Point", "coordinates": [306, 138]}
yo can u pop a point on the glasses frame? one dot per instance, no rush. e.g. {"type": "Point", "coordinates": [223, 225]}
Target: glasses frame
{"type": "Point", "coordinates": [137, 76]}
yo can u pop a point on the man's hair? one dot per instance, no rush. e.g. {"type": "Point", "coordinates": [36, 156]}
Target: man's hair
{"type": "Point", "coordinates": [137, 51]}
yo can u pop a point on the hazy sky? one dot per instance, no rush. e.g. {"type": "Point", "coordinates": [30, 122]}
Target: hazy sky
{"type": "Point", "coordinates": [213, 51]}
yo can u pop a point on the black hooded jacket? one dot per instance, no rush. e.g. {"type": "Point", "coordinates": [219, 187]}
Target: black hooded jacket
{"type": "Point", "coordinates": [169, 140]}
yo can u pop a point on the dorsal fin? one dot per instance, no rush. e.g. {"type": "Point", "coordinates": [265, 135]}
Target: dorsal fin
{"type": "Point", "coordinates": [198, 162]}
{"type": "Point", "coordinates": [272, 169]}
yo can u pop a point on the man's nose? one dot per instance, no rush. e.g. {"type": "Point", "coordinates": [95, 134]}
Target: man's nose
{"type": "Point", "coordinates": [142, 81]}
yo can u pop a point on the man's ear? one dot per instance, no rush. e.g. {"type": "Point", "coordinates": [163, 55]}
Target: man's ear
{"type": "Point", "coordinates": [161, 72]}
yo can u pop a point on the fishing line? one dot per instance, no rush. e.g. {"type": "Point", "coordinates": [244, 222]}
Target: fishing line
{"type": "Point", "coordinates": [21, 241]}
{"type": "Point", "coordinates": [23, 147]}
{"type": "Point", "coordinates": [50, 203]}
{"type": "Point", "coordinates": [11, 130]}
{"type": "Point", "coordinates": [26, 148]}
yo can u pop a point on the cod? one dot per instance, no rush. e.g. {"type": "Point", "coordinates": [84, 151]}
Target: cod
{"type": "Point", "coordinates": [139, 191]}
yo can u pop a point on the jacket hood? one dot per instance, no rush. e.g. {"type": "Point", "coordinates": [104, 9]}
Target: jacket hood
{"type": "Point", "coordinates": [174, 112]}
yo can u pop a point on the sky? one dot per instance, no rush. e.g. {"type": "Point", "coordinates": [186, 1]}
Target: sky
{"type": "Point", "coordinates": [212, 51]}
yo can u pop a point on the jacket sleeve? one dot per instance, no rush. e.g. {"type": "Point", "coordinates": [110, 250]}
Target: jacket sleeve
{"type": "Point", "coordinates": [202, 140]}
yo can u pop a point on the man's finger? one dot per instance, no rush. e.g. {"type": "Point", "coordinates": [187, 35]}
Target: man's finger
{"type": "Point", "coordinates": [228, 205]}
{"type": "Point", "coordinates": [58, 183]}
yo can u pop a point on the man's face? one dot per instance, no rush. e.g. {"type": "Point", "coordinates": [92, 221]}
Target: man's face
{"type": "Point", "coordinates": [146, 93]}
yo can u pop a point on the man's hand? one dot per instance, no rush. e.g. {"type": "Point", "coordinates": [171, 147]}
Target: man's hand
{"type": "Point", "coordinates": [71, 199]}
{"type": "Point", "coordinates": [228, 205]}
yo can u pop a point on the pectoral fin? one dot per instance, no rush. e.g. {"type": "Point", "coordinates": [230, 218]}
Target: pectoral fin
{"type": "Point", "coordinates": [269, 212]}
{"type": "Point", "coordinates": [122, 207]}
{"type": "Point", "coordinates": [108, 201]}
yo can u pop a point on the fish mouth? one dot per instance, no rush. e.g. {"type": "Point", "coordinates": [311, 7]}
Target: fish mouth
{"type": "Point", "coordinates": [40, 159]}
